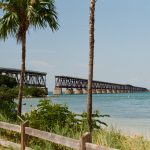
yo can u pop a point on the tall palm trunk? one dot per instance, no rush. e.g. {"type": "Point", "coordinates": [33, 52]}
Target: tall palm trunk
{"type": "Point", "coordinates": [22, 74]}
{"type": "Point", "coordinates": [91, 59]}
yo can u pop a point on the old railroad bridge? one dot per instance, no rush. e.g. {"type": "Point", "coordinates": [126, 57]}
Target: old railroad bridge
{"type": "Point", "coordinates": [32, 78]}
{"type": "Point", "coordinates": [80, 86]}
{"type": "Point", "coordinates": [38, 79]}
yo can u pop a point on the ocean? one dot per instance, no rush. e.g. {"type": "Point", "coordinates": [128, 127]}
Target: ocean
{"type": "Point", "coordinates": [129, 112]}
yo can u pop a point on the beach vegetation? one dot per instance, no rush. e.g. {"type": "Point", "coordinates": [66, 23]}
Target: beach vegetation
{"type": "Point", "coordinates": [48, 115]}
{"type": "Point", "coordinates": [7, 81]}
{"type": "Point", "coordinates": [57, 118]}
{"type": "Point", "coordinates": [7, 104]}
{"type": "Point", "coordinates": [34, 91]}
{"type": "Point", "coordinates": [8, 94]}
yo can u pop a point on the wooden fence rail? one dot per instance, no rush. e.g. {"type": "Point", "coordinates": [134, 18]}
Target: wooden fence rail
{"type": "Point", "coordinates": [82, 144]}
{"type": "Point", "coordinates": [72, 143]}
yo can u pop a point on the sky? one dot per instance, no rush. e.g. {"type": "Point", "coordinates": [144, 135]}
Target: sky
{"type": "Point", "coordinates": [122, 43]}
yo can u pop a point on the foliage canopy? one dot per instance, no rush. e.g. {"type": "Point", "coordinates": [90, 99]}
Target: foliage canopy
{"type": "Point", "coordinates": [20, 15]}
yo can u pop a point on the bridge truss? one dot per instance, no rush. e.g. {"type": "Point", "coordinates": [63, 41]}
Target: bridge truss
{"type": "Point", "coordinates": [79, 83]}
{"type": "Point", "coordinates": [32, 78]}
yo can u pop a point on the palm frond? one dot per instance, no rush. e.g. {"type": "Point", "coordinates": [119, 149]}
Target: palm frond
{"type": "Point", "coordinates": [19, 15]}
{"type": "Point", "coordinates": [3, 5]}
{"type": "Point", "coordinates": [8, 25]}
{"type": "Point", "coordinates": [45, 14]}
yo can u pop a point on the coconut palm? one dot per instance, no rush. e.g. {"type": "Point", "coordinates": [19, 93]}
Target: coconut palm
{"type": "Point", "coordinates": [18, 17]}
{"type": "Point", "coordinates": [91, 59]}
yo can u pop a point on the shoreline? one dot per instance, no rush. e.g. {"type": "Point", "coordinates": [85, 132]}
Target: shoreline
{"type": "Point", "coordinates": [133, 129]}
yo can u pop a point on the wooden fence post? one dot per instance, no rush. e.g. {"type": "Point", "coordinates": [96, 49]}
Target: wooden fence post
{"type": "Point", "coordinates": [23, 135]}
{"type": "Point", "coordinates": [84, 139]}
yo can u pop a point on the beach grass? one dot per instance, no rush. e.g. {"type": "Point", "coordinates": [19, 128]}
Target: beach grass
{"type": "Point", "coordinates": [5, 148]}
{"type": "Point", "coordinates": [115, 139]}
{"type": "Point", "coordinates": [107, 138]}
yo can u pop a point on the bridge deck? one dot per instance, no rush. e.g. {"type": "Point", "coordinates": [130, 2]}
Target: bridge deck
{"type": "Point", "coordinates": [13, 70]}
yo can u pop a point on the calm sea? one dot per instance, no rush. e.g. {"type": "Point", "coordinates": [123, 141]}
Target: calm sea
{"type": "Point", "coordinates": [129, 112]}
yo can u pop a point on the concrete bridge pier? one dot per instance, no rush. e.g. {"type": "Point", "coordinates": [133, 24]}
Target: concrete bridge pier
{"type": "Point", "coordinates": [108, 91]}
{"type": "Point", "coordinates": [94, 91]}
{"type": "Point", "coordinates": [111, 91]}
{"type": "Point", "coordinates": [57, 91]}
{"type": "Point", "coordinates": [104, 91]}
{"type": "Point", "coordinates": [98, 91]}
{"type": "Point", "coordinates": [118, 91]}
{"type": "Point", "coordinates": [69, 91]}
{"type": "Point", "coordinates": [84, 91]}
{"type": "Point", "coordinates": [78, 91]}
{"type": "Point", "coordinates": [122, 91]}
{"type": "Point", "coordinates": [114, 91]}
{"type": "Point", "coordinates": [126, 91]}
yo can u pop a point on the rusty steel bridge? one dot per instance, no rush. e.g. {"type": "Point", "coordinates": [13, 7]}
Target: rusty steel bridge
{"type": "Point", "coordinates": [32, 78]}
{"type": "Point", "coordinates": [70, 83]}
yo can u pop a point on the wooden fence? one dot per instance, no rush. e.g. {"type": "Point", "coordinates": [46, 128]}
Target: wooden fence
{"type": "Point", "coordinates": [82, 144]}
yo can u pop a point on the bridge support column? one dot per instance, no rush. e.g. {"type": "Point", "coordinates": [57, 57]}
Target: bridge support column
{"type": "Point", "coordinates": [69, 91]}
{"type": "Point", "coordinates": [84, 91]}
{"type": "Point", "coordinates": [122, 91]}
{"type": "Point", "coordinates": [78, 91]}
{"type": "Point", "coordinates": [108, 91]}
{"type": "Point", "coordinates": [98, 91]}
{"type": "Point", "coordinates": [114, 91]}
{"type": "Point", "coordinates": [57, 91]}
{"type": "Point", "coordinates": [94, 91]}
{"type": "Point", "coordinates": [125, 91]}
{"type": "Point", "coordinates": [118, 91]}
{"type": "Point", "coordinates": [104, 91]}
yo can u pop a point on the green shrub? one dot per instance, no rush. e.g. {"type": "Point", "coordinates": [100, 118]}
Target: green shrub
{"type": "Point", "coordinates": [8, 93]}
{"type": "Point", "coordinates": [52, 117]}
{"type": "Point", "coordinates": [34, 92]}
{"type": "Point", "coordinates": [7, 81]}
{"type": "Point", "coordinates": [57, 118]}
{"type": "Point", "coordinates": [49, 115]}
{"type": "Point", "coordinates": [7, 104]}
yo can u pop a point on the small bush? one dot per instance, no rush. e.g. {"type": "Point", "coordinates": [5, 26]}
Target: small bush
{"type": "Point", "coordinates": [7, 104]}
{"type": "Point", "coordinates": [57, 118]}
{"type": "Point", "coordinates": [48, 115]}
{"type": "Point", "coordinates": [7, 81]}
{"type": "Point", "coordinates": [34, 92]}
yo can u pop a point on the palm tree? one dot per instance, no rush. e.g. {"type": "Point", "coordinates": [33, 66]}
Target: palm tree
{"type": "Point", "coordinates": [18, 17]}
{"type": "Point", "coordinates": [91, 59]}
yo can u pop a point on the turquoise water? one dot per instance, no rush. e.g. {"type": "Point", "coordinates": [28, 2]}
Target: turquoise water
{"type": "Point", "coordinates": [130, 112]}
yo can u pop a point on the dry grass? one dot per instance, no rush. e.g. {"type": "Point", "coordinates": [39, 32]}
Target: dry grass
{"type": "Point", "coordinates": [116, 139]}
